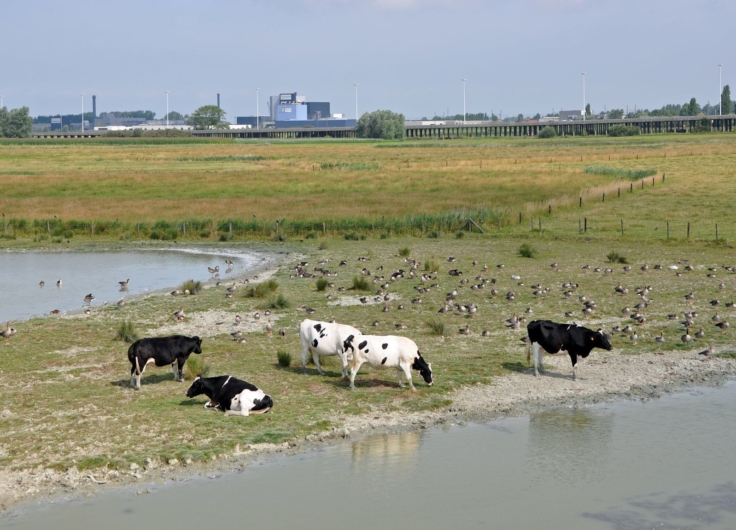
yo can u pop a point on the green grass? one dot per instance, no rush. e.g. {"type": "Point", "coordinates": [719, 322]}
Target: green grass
{"type": "Point", "coordinates": [361, 283]}
{"type": "Point", "coordinates": [632, 174]}
{"type": "Point", "coordinates": [436, 327]}
{"type": "Point", "coordinates": [526, 251]}
{"type": "Point", "coordinates": [615, 257]}
{"type": "Point", "coordinates": [322, 284]}
{"type": "Point", "coordinates": [126, 332]}
{"type": "Point", "coordinates": [276, 301]}
{"type": "Point", "coordinates": [194, 287]}
{"type": "Point", "coordinates": [404, 252]}
{"type": "Point", "coordinates": [284, 358]}
{"type": "Point", "coordinates": [196, 366]}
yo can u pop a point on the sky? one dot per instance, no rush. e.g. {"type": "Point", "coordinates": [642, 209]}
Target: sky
{"type": "Point", "coordinates": [408, 56]}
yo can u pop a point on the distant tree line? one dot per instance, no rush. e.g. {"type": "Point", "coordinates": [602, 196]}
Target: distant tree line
{"type": "Point", "coordinates": [16, 123]}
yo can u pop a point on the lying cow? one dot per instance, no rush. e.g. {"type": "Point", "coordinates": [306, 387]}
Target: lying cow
{"type": "Point", "coordinates": [174, 350]}
{"type": "Point", "coordinates": [387, 352]}
{"type": "Point", "coordinates": [324, 338]}
{"type": "Point", "coordinates": [233, 396]}
{"type": "Point", "coordinates": [545, 335]}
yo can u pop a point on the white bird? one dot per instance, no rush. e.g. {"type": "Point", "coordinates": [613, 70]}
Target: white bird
{"type": "Point", "coordinates": [58, 282]}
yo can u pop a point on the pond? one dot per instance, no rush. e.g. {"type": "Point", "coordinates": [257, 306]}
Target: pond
{"type": "Point", "coordinates": [662, 464]}
{"type": "Point", "coordinates": [99, 273]}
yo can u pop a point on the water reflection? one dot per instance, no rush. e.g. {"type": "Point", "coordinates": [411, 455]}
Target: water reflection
{"type": "Point", "coordinates": [382, 452]}
{"type": "Point", "coordinates": [570, 445]}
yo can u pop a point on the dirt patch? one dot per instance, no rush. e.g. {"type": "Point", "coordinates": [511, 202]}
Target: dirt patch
{"type": "Point", "coordinates": [214, 322]}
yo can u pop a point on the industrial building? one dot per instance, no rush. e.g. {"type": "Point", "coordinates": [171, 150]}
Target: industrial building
{"type": "Point", "coordinates": [290, 109]}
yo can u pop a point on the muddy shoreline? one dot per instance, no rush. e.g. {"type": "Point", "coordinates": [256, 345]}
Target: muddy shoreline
{"type": "Point", "coordinates": [604, 378]}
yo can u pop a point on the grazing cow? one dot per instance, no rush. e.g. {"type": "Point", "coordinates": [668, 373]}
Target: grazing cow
{"type": "Point", "coordinates": [233, 396]}
{"type": "Point", "coordinates": [400, 353]}
{"type": "Point", "coordinates": [545, 335]}
{"type": "Point", "coordinates": [174, 350]}
{"type": "Point", "coordinates": [324, 338]}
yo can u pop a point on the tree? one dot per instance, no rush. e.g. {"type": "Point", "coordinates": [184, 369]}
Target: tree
{"type": "Point", "coordinates": [588, 112]}
{"type": "Point", "coordinates": [690, 109]}
{"type": "Point", "coordinates": [726, 107]}
{"type": "Point", "coordinates": [615, 114]}
{"type": "Point", "coordinates": [547, 132]}
{"type": "Point", "coordinates": [174, 116]}
{"type": "Point", "coordinates": [16, 124]}
{"type": "Point", "coordinates": [382, 124]}
{"type": "Point", "coordinates": [207, 117]}
{"type": "Point", "coordinates": [537, 116]}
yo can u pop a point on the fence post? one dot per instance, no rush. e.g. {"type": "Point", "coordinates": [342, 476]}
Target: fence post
{"type": "Point", "coordinates": [619, 191]}
{"type": "Point", "coordinates": [231, 228]}
{"type": "Point", "coordinates": [688, 229]}
{"type": "Point", "coordinates": [184, 228]}
{"type": "Point", "coordinates": [5, 226]}
{"type": "Point", "coordinates": [716, 231]}
{"type": "Point", "coordinates": [324, 228]}
{"type": "Point", "coordinates": [540, 224]}
{"type": "Point", "coordinates": [585, 227]}
{"type": "Point", "coordinates": [92, 225]}
{"type": "Point", "coordinates": [580, 203]}
{"type": "Point", "coordinates": [604, 197]}
{"type": "Point", "coordinates": [580, 226]}
{"type": "Point", "coordinates": [138, 227]}
{"type": "Point", "coordinates": [642, 183]}
{"type": "Point", "coordinates": [631, 188]}
{"type": "Point", "coordinates": [277, 229]}
{"type": "Point", "coordinates": [622, 227]}
{"type": "Point", "coordinates": [48, 227]}
{"type": "Point", "coordinates": [668, 229]}
{"type": "Point", "coordinates": [663, 175]}
{"type": "Point", "coordinates": [519, 217]}
{"type": "Point", "coordinates": [652, 181]}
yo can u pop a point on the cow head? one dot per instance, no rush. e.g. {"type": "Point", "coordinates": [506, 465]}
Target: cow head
{"type": "Point", "coordinates": [197, 345]}
{"type": "Point", "coordinates": [598, 339]}
{"type": "Point", "coordinates": [424, 368]}
{"type": "Point", "coordinates": [196, 389]}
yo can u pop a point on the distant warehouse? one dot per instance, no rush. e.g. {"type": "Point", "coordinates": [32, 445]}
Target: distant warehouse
{"type": "Point", "coordinates": [290, 110]}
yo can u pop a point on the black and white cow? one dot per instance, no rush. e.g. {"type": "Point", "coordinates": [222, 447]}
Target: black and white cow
{"type": "Point", "coordinates": [324, 338]}
{"type": "Point", "coordinates": [233, 396]}
{"type": "Point", "coordinates": [545, 335]}
{"type": "Point", "coordinates": [174, 350]}
{"type": "Point", "coordinates": [390, 351]}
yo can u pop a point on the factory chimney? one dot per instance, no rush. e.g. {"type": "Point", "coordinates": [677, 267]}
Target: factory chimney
{"type": "Point", "coordinates": [218, 100]}
{"type": "Point", "coordinates": [94, 111]}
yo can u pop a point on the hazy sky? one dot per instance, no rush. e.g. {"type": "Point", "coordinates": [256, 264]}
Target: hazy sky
{"type": "Point", "coordinates": [519, 56]}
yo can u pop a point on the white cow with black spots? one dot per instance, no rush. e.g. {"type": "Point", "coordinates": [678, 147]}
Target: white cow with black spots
{"type": "Point", "coordinates": [324, 338]}
{"type": "Point", "coordinates": [390, 351]}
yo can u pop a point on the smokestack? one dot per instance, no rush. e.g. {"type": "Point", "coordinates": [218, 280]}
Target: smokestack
{"type": "Point", "coordinates": [94, 110]}
{"type": "Point", "coordinates": [218, 101]}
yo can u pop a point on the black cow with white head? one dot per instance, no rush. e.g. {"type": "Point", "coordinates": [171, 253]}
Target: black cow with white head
{"type": "Point", "coordinates": [550, 337]}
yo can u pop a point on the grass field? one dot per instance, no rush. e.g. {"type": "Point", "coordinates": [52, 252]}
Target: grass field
{"type": "Point", "coordinates": [71, 406]}
{"type": "Point", "coordinates": [399, 187]}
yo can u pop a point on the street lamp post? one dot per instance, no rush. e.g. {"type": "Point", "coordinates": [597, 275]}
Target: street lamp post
{"type": "Point", "coordinates": [167, 109]}
{"type": "Point", "coordinates": [257, 104]}
{"type": "Point", "coordinates": [464, 113]}
{"type": "Point", "coordinates": [583, 74]}
{"type": "Point", "coordinates": [720, 87]}
{"type": "Point", "coordinates": [356, 85]}
{"type": "Point", "coordinates": [82, 111]}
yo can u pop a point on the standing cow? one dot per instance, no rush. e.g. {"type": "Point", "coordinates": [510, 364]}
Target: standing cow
{"type": "Point", "coordinates": [174, 350]}
{"type": "Point", "coordinates": [400, 353]}
{"type": "Point", "coordinates": [233, 396]}
{"type": "Point", "coordinates": [545, 335]}
{"type": "Point", "coordinates": [324, 338]}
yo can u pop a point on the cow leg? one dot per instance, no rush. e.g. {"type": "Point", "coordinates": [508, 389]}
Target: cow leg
{"type": "Point", "coordinates": [135, 374]}
{"type": "Point", "coordinates": [343, 363]}
{"type": "Point", "coordinates": [237, 408]}
{"type": "Point", "coordinates": [175, 369]}
{"type": "Point", "coordinates": [574, 359]}
{"type": "Point", "coordinates": [181, 363]}
{"type": "Point", "coordinates": [537, 358]}
{"type": "Point", "coordinates": [305, 356]}
{"type": "Point", "coordinates": [399, 372]}
{"type": "Point", "coordinates": [353, 372]}
{"type": "Point", "coordinates": [315, 358]}
{"type": "Point", "coordinates": [407, 372]}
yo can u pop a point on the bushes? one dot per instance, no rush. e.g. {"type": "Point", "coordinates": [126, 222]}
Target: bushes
{"type": "Point", "coordinates": [623, 130]}
{"type": "Point", "coordinates": [127, 332]}
{"type": "Point", "coordinates": [547, 132]}
{"type": "Point", "coordinates": [278, 301]}
{"type": "Point", "coordinates": [431, 266]}
{"type": "Point", "coordinates": [614, 257]}
{"type": "Point", "coordinates": [360, 283]}
{"type": "Point", "coordinates": [191, 286]}
{"type": "Point", "coordinates": [404, 252]}
{"type": "Point", "coordinates": [284, 359]}
{"type": "Point", "coordinates": [195, 366]}
{"type": "Point", "coordinates": [322, 284]}
{"type": "Point", "coordinates": [436, 327]}
{"type": "Point", "coordinates": [633, 174]}
{"type": "Point", "coordinates": [527, 251]}
{"type": "Point", "coordinates": [262, 290]}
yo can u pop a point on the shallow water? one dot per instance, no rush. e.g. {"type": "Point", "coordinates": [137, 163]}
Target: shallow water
{"type": "Point", "coordinates": [98, 273]}
{"type": "Point", "coordinates": [663, 464]}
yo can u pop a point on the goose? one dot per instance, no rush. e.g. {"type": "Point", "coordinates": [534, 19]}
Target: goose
{"type": "Point", "coordinates": [282, 332]}
{"type": "Point", "coordinates": [686, 337]}
{"type": "Point", "coordinates": [89, 298]}
{"type": "Point", "coordinates": [238, 320]}
{"type": "Point", "coordinates": [269, 328]}
{"type": "Point", "coordinates": [257, 316]}
{"type": "Point", "coordinates": [466, 330]}
{"type": "Point", "coordinates": [627, 268]}
{"type": "Point", "coordinates": [708, 352]}
{"type": "Point", "coordinates": [723, 326]}
{"type": "Point", "coordinates": [729, 304]}
{"type": "Point", "coordinates": [621, 289]}
{"type": "Point", "coordinates": [568, 314]}
{"type": "Point", "coordinates": [241, 340]}
{"type": "Point", "coordinates": [672, 316]}
{"type": "Point", "coordinates": [689, 298]}
{"type": "Point", "coordinates": [400, 306]}
{"type": "Point", "coordinates": [8, 331]}
{"type": "Point", "coordinates": [385, 308]}
{"type": "Point", "coordinates": [215, 270]}
{"type": "Point", "coordinates": [232, 288]}
{"type": "Point", "coordinates": [41, 283]}
{"type": "Point", "coordinates": [700, 334]}
{"type": "Point", "coordinates": [716, 317]}
{"type": "Point", "coordinates": [627, 329]}
{"type": "Point", "coordinates": [175, 292]}
{"type": "Point", "coordinates": [179, 314]}
{"type": "Point", "coordinates": [714, 302]}
{"type": "Point", "coordinates": [228, 262]}
{"type": "Point", "coordinates": [485, 333]}
{"type": "Point", "coordinates": [121, 302]}
{"type": "Point", "coordinates": [722, 285]}
{"type": "Point", "coordinates": [55, 311]}
{"type": "Point", "coordinates": [500, 266]}
{"type": "Point", "coordinates": [58, 282]}
{"type": "Point", "coordinates": [633, 337]}
{"type": "Point", "coordinates": [400, 326]}
{"type": "Point", "coordinates": [87, 311]}
{"type": "Point", "coordinates": [644, 268]}
{"type": "Point", "coordinates": [310, 311]}
{"type": "Point", "coordinates": [658, 267]}
{"type": "Point", "coordinates": [660, 337]}
{"type": "Point", "coordinates": [626, 311]}
{"type": "Point", "coordinates": [236, 334]}
{"type": "Point", "coordinates": [125, 283]}
{"type": "Point", "coordinates": [376, 323]}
